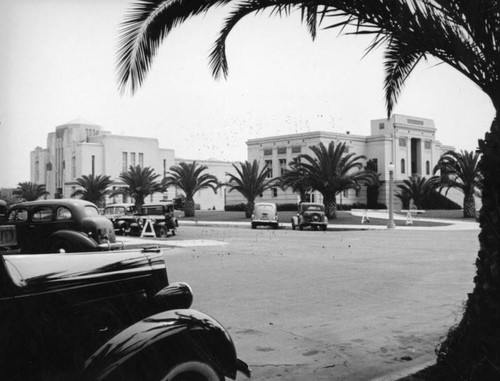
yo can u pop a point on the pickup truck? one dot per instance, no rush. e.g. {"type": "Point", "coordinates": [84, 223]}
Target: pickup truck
{"type": "Point", "coordinates": [102, 317]}
{"type": "Point", "coordinates": [54, 226]}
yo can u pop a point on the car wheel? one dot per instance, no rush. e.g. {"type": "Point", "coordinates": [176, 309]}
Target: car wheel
{"type": "Point", "coordinates": [301, 227]}
{"type": "Point", "coordinates": [173, 231]}
{"type": "Point", "coordinates": [61, 246]}
{"type": "Point", "coordinates": [193, 371]}
{"type": "Point", "coordinates": [162, 232]}
{"type": "Point", "coordinates": [254, 226]}
{"type": "Point", "coordinates": [323, 228]}
{"type": "Point", "coordinates": [293, 226]}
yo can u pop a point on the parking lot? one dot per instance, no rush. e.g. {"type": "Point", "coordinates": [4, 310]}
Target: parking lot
{"type": "Point", "coordinates": [336, 305]}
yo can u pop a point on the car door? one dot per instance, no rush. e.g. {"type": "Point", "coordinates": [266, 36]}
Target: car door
{"type": "Point", "coordinates": [36, 233]}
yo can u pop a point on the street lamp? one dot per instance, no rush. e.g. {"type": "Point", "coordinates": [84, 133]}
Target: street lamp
{"type": "Point", "coordinates": [390, 224]}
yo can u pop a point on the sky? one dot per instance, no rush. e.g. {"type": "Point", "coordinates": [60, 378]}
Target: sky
{"type": "Point", "coordinates": [58, 63]}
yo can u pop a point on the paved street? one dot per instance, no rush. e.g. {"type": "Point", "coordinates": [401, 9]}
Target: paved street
{"type": "Point", "coordinates": [344, 305]}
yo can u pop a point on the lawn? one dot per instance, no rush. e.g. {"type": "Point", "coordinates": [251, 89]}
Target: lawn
{"type": "Point", "coordinates": [344, 217]}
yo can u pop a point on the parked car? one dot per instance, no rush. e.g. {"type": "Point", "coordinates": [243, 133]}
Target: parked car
{"type": "Point", "coordinates": [179, 203]}
{"type": "Point", "coordinates": [121, 216]}
{"type": "Point", "coordinates": [52, 226]}
{"type": "Point", "coordinates": [3, 211]}
{"type": "Point", "coordinates": [88, 316]}
{"type": "Point", "coordinates": [265, 213]}
{"type": "Point", "coordinates": [160, 215]}
{"type": "Point", "coordinates": [310, 214]}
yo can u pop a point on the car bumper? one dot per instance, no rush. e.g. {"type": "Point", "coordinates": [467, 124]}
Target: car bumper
{"type": "Point", "coordinates": [265, 222]}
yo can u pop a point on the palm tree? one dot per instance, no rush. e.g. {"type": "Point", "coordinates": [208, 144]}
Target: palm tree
{"type": "Point", "coordinates": [373, 189]}
{"type": "Point", "coordinates": [295, 178]}
{"type": "Point", "coordinates": [29, 191]}
{"type": "Point", "coordinates": [464, 34]}
{"type": "Point", "coordinates": [417, 188]}
{"type": "Point", "coordinates": [190, 178]}
{"type": "Point", "coordinates": [332, 170]}
{"type": "Point", "coordinates": [95, 188]}
{"type": "Point", "coordinates": [139, 183]}
{"type": "Point", "coordinates": [250, 181]}
{"type": "Point", "coordinates": [460, 170]}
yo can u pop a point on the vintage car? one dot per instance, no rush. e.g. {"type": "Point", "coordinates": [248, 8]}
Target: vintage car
{"type": "Point", "coordinates": [91, 316]}
{"type": "Point", "coordinates": [265, 213]}
{"type": "Point", "coordinates": [310, 214]}
{"type": "Point", "coordinates": [121, 216]}
{"type": "Point", "coordinates": [52, 226]}
{"type": "Point", "coordinates": [160, 216]}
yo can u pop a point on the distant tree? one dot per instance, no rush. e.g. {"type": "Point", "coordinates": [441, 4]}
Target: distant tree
{"type": "Point", "coordinates": [295, 178]}
{"type": "Point", "coordinates": [7, 195]}
{"type": "Point", "coordinates": [139, 183]}
{"type": "Point", "coordinates": [460, 170]}
{"type": "Point", "coordinates": [95, 188]}
{"type": "Point", "coordinates": [331, 170]}
{"type": "Point", "coordinates": [417, 188]}
{"type": "Point", "coordinates": [250, 181]}
{"type": "Point", "coordinates": [28, 191]}
{"type": "Point", "coordinates": [190, 178]}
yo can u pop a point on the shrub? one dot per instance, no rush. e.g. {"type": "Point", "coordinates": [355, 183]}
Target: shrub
{"type": "Point", "coordinates": [235, 208]}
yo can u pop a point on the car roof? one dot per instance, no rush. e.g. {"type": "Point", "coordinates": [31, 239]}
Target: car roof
{"type": "Point", "coordinates": [158, 203]}
{"type": "Point", "coordinates": [266, 204]}
{"type": "Point", "coordinates": [55, 202]}
{"type": "Point", "coordinates": [125, 204]}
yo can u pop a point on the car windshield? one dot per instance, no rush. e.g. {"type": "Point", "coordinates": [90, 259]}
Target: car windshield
{"type": "Point", "coordinates": [153, 210]}
{"type": "Point", "coordinates": [91, 211]}
{"type": "Point", "coordinates": [265, 208]}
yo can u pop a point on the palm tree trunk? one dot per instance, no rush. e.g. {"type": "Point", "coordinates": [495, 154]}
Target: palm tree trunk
{"type": "Point", "coordinates": [330, 206]}
{"type": "Point", "coordinates": [249, 209]}
{"type": "Point", "coordinates": [469, 206]}
{"type": "Point", "coordinates": [472, 348]}
{"type": "Point", "coordinates": [189, 207]}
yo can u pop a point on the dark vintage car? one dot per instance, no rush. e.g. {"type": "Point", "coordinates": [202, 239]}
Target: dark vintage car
{"type": "Point", "coordinates": [93, 316]}
{"type": "Point", "coordinates": [157, 218]}
{"type": "Point", "coordinates": [121, 216]}
{"type": "Point", "coordinates": [310, 214]}
{"type": "Point", "coordinates": [52, 226]}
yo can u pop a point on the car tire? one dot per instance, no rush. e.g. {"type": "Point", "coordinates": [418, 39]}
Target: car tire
{"type": "Point", "coordinates": [254, 226]}
{"type": "Point", "coordinates": [193, 371]}
{"type": "Point", "coordinates": [323, 228]}
{"type": "Point", "coordinates": [61, 246]}
{"type": "Point", "coordinates": [173, 231]}
{"type": "Point", "coordinates": [162, 232]}
{"type": "Point", "coordinates": [293, 226]}
{"type": "Point", "coordinates": [301, 227]}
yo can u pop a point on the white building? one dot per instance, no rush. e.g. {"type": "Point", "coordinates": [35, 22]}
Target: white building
{"type": "Point", "coordinates": [81, 148]}
{"type": "Point", "coordinates": [408, 142]}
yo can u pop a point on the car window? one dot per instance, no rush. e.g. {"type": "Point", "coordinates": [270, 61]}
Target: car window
{"type": "Point", "coordinates": [313, 208]}
{"type": "Point", "coordinates": [18, 215]}
{"type": "Point", "coordinates": [63, 213]}
{"type": "Point", "coordinates": [42, 213]}
{"type": "Point", "coordinates": [109, 210]}
{"type": "Point", "coordinates": [91, 211]}
{"type": "Point", "coordinates": [119, 210]}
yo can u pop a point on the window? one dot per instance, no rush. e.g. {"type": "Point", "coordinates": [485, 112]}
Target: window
{"type": "Point", "coordinates": [132, 159]}
{"type": "Point", "coordinates": [275, 192]}
{"type": "Point", "coordinates": [296, 149]}
{"type": "Point", "coordinates": [18, 215]}
{"type": "Point", "coordinates": [93, 165]}
{"type": "Point", "coordinates": [73, 166]}
{"type": "Point", "coordinates": [381, 126]}
{"type": "Point", "coordinates": [281, 150]}
{"type": "Point", "coordinates": [124, 162]}
{"type": "Point", "coordinates": [427, 144]}
{"type": "Point", "coordinates": [91, 211]}
{"type": "Point", "coordinates": [414, 121]}
{"type": "Point", "coordinates": [63, 213]}
{"type": "Point", "coordinates": [141, 159]}
{"type": "Point", "coordinates": [427, 167]}
{"type": "Point", "coordinates": [268, 152]}
{"type": "Point", "coordinates": [282, 166]}
{"type": "Point", "coordinates": [345, 193]}
{"type": "Point", "coordinates": [403, 166]}
{"type": "Point", "coordinates": [375, 165]}
{"type": "Point", "coordinates": [402, 142]}
{"type": "Point", "coordinates": [269, 165]}
{"type": "Point", "coordinates": [357, 192]}
{"type": "Point", "coordinates": [164, 167]}
{"type": "Point", "coordinates": [43, 213]}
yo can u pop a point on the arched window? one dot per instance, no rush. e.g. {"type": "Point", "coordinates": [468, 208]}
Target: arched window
{"type": "Point", "coordinates": [427, 168]}
{"type": "Point", "coordinates": [403, 166]}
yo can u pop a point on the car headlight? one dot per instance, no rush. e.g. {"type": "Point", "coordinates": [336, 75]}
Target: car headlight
{"type": "Point", "coordinates": [178, 295]}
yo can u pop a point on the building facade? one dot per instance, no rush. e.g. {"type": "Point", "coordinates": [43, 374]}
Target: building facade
{"type": "Point", "coordinates": [80, 148]}
{"type": "Point", "coordinates": [407, 142]}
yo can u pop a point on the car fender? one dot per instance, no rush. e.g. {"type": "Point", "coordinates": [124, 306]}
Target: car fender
{"type": "Point", "coordinates": [161, 341]}
{"type": "Point", "coordinates": [81, 241]}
